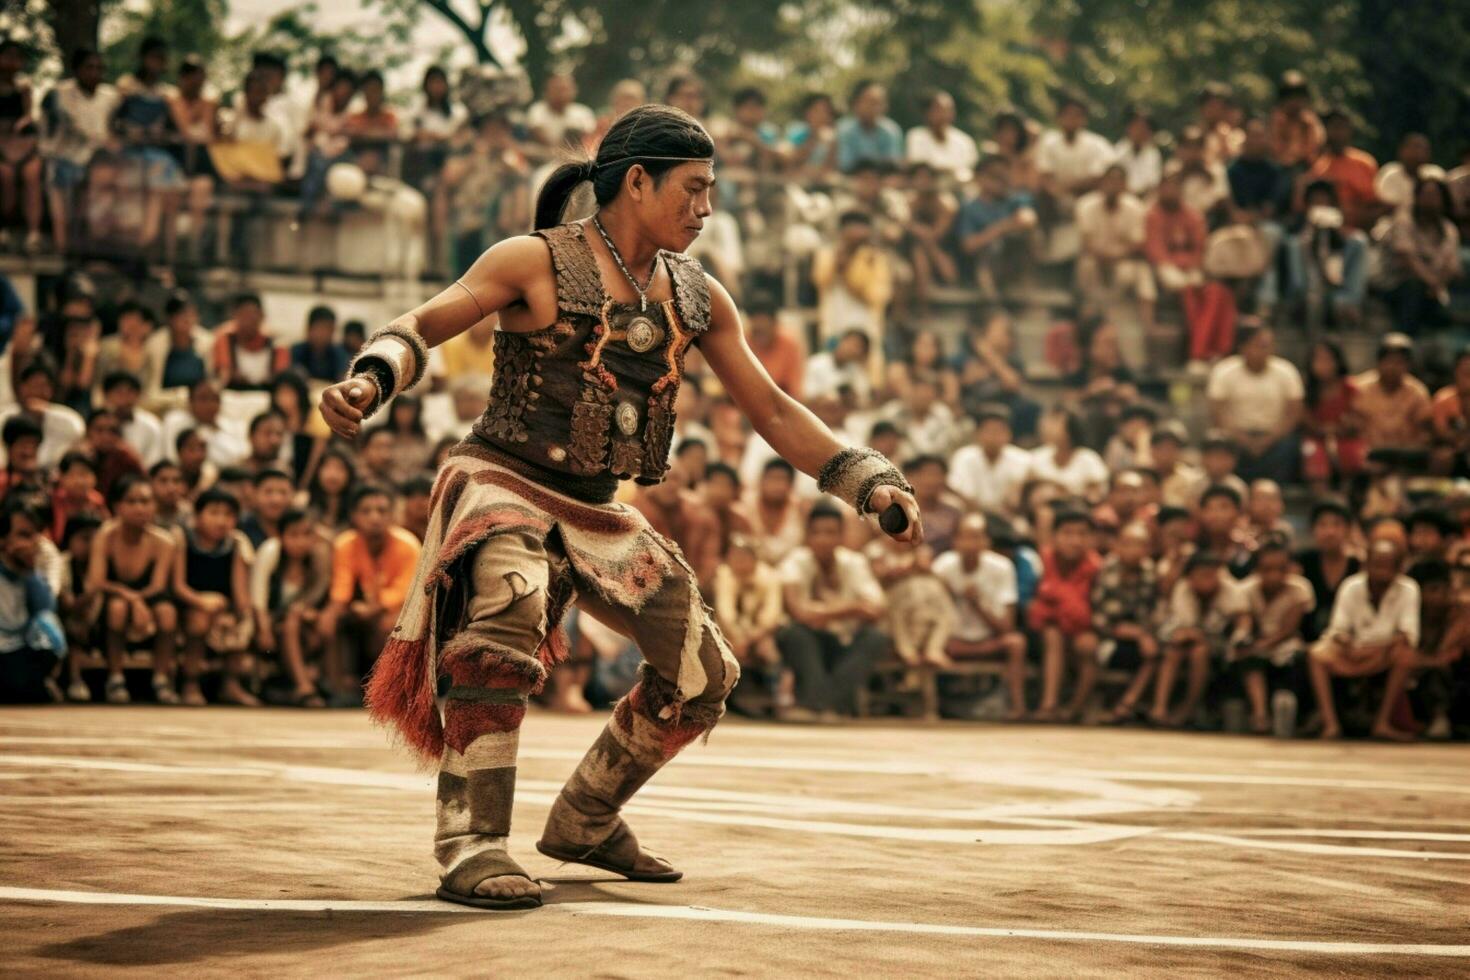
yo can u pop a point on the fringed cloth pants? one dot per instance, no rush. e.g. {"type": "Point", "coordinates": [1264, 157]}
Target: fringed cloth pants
{"type": "Point", "coordinates": [504, 559]}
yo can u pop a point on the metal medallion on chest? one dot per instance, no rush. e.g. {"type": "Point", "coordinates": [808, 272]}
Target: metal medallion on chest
{"type": "Point", "coordinates": [643, 334]}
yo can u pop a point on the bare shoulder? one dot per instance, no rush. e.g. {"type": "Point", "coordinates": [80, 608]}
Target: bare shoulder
{"type": "Point", "coordinates": [160, 538]}
{"type": "Point", "coordinates": [722, 310]}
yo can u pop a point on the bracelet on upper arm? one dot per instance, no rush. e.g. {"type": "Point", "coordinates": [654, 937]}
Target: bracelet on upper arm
{"type": "Point", "coordinates": [396, 358]}
{"type": "Point", "coordinates": [853, 474]}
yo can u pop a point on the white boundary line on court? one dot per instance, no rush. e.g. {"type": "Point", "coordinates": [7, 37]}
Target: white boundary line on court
{"type": "Point", "coordinates": [694, 913]}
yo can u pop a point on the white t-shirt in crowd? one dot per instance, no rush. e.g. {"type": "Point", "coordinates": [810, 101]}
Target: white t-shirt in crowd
{"type": "Point", "coordinates": [956, 154]}
{"type": "Point", "coordinates": [1123, 224]}
{"type": "Point", "coordinates": [61, 429]}
{"type": "Point", "coordinates": [1083, 471]}
{"type": "Point", "coordinates": [144, 432]}
{"type": "Point", "coordinates": [1355, 619]}
{"type": "Point", "coordinates": [852, 582]}
{"type": "Point", "coordinates": [994, 577]}
{"type": "Point", "coordinates": [1144, 166]}
{"type": "Point", "coordinates": [574, 118]}
{"type": "Point", "coordinates": [993, 485]}
{"type": "Point", "coordinates": [1255, 401]}
{"type": "Point", "coordinates": [1084, 158]}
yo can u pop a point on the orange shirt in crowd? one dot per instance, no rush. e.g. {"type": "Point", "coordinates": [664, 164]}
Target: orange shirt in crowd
{"type": "Point", "coordinates": [385, 577]}
{"type": "Point", "coordinates": [1174, 237]}
{"type": "Point", "coordinates": [783, 360]}
{"type": "Point", "coordinates": [1352, 172]}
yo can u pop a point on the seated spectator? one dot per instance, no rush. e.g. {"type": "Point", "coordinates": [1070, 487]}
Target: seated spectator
{"type": "Point", "coordinates": [1260, 187]}
{"type": "Point", "coordinates": [1178, 480]}
{"type": "Point", "coordinates": [411, 446]}
{"type": "Point", "coordinates": [1394, 404]}
{"type": "Point", "coordinates": [211, 587]}
{"type": "Point", "coordinates": [140, 429]}
{"type": "Point", "coordinates": [1176, 544]}
{"type": "Point", "coordinates": [1266, 513]}
{"type": "Point", "coordinates": [1297, 134]}
{"type": "Point", "coordinates": [920, 613]}
{"type": "Point", "coordinates": [1103, 386]}
{"type": "Point", "coordinates": [777, 516]}
{"type": "Point", "coordinates": [170, 509]}
{"type": "Point", "coordinates": [995, 228]}
{"type": "Point", "coordinates": [132, 566]}
{"type": "Point", "coordinates": [257, 140]}
{"type": "Point", "coordinates": [1279, 601]}
{"type": "Point", "coordinates": [1256, 399]}
{"type": "Point", "coordinates": [854, 280]}
{"type": "Point", "coordinates": [991, 372]}
{"type": "Point", "coordinates": [1430, 532]}
{"type": "Point", "coordinates": [1175, 245]}
{"type": "Point", "coordinates": [1203, 185]}
{"type": "Point", "coordinates": [1394, 185]}
{"type": "Point", "coordinates": [75, 604]}
{"type": "Point", "coordinates": [354, 335]}
{"type": "Point", "coordinates": [142, 122]}
{"type": "Point", "coordinates": [1326, 263]}
{"type": "Point", "coordinates": [20, 164]}
{"type": "Point", "coordinates": [372, 568]}
{"type": "Point", "coordinates": [1014, 138]}
{"type": "Point", "coordinates": [778, 350]}
{"type": "Point", "coordinates": [747, 141]}
{"type": "Point", "coordinates": [811, 142]}
{"type": "Point", "coordinates": [679, 514]}
{"type": "Point", "coordinates": [1332, 444]}
{"type": "Point", "coordinates": [415, 496]}
{"type": "Point", "coordinates": [1450, 410]}
{"type": "Point", "coordinates": [112, 457]}
{"type": "Point", "coordinates": [1125, 602]}
{"type": "Point", "coordinates": [319, 356]}
{"type": "Point", "coordinates": [928, 473]}
{"type": "Point", "coordinates": [1131, 445]}
{"type": "Point", "coordinates": [844, 365]}
{"type": "Point", "coordinates": [722, 499]}
{"type": "Point", "coordinates": [373, 128]}
{"type": "Point", "coordinates": [436, 118]}
{"type": "Point", "coordinates": [982, 584]}
{"type": "Point", "coordinates": [1351, 171]}
{"type": "Point", "coordinates": [929, 234]}
{"type": "Point", "coordinates": [127, 350]}
{"type": "Point", "coordinates": [989, 473]}
{"type": "Point", "coordinates": [1421, 258]}
{"type": "Point", "coordinates": [270, 498]}
{"type": "Point", "coordinates": [75, 492]}
{"type": "Point", "coordinates": [557, 120]}
{"type": "Point", "coordinates": [484, 195]}
{"type": "Point", "coordinates": [1439, 662]}
{"type": "Point", "coordinates": [329, 141]}
{"type": "Point", "coordinates": [195, 468]}
{"type": "Point", "coordinates": [1207, 617]}
{"type": "Point", "coordinates": [23, 474]}
{"type": "Point", "coordinates": [32, 643]}
{"type": "Point", "coordinates": [1223, 136]}
{"type": "Point", "coordinates": [1070, 162]}
{"type": "Point", "coordinates": [834, 601]}
{"type": "Point", "coordinates": [76, 123]}
{"type": "Point", "coordinates": [306, 432]}
{"type": "Point", "coordinates": [938, 143]}
{"type": "Point", "coordinates": [331, 489]}
{"type": "Point", "coordinates": [180, 354]}
{"type": "Point", "coordinates": [195, 126]}
{"type": "Point", "coordinates": [1374, 625]}
{"type": "Point", "coordinates": [1062, 613]}
{"type": "Point", "coordinates": [468, 396]}
{"type": "Point", "coordinates": [1111, 223]}
{"type": "Point", "coordinates": [866, 133]}
{"type": "Point", "coordinates": [267, 439]}
{"type": "Point", "coordinates": [1218, 457]}
{"type": "Point", "coordinates": [1063, 459]}
{"type": "Point", "coordinates": [1138, 153]}
{"type": "Point", "coordinates": [1124, 503]}
{"type": "Point", "coordinates": [246, 355]}
{"type": "Point", "coordinates": [288, 584]}
{"type": "Point", "coordinates": [377, 459]}
{"type": "Point", "coordinates": [61, 427]}
{"type": "Point", "coordinates": [928, 426]}
{"type": "Point", "coordinates": [747, 602]}
{"type": "Point", "coordinates": [1220, 529]}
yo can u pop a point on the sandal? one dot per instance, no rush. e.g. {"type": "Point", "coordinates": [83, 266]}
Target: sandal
{"type": "Point", "coordinates": [117, 691]}
{"type": "Point", "coordinates": [613, 855]}
{"type": "Point", "coordinates": [163, 691]}
{"type": "Point", "coordinates": [459, 885]}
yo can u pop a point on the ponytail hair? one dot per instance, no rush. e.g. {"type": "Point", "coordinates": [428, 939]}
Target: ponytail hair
{"type": "Point", "coordinates": [656, 137]}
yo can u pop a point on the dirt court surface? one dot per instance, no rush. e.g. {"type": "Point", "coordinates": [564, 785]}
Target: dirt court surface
{"type": "Point", "coordinates": [280, 843]}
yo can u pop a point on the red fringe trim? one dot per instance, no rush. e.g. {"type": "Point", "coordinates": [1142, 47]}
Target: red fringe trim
{"type": "Point", "coordinates": [466, 722]}
{"type": "Point", "coordinates": [398, 693]}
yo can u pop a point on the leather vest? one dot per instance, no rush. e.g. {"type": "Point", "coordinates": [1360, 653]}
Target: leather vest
{"type": "Point", "coordinates": [592, 395]}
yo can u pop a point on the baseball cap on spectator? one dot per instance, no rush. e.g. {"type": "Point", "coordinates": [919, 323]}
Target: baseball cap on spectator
{"type": "Point", "coordinates": [1170, 429]}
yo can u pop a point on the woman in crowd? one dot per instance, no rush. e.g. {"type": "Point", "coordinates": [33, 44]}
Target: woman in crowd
{"type": "Point", "coordinates": [1422, 258]}
{"type": "Point", "coordinates": [1331, 446]}
{"type": "Point", "coordinates": [288, 584]}
{"type": "Point", "coordinates": [1063, 459]}
{"type": "Point", "coordinates": [304, 426]}
{"type": "Point", "coordinates": [1012, 140]}
{"type": "Point", "coordinates": [925, 357]}
{"type": "Point", "coordinates": [990, 372]}
{"type": "Point", "coordinates": [412, 448]}
{"type": "Point", "coordinates": [331, 488]}
{"type": "Point", "coordinates": [434, 122]}
{"type": "Point", "coordinates": [812, 142]}
{"type": "Point", "coordinates": [1103, 386]}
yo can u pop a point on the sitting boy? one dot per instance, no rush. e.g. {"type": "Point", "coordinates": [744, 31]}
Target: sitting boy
{"type": "Point", "coordinates": [1278, 600]}
{"type": "Point", "coordinates": [211, 586]}
{"type": "Point", "coordinates": [1062, 613]}
{"type": "Point", "coordinates": [983, 584]}
{"type": "Point", "coordinates": [1125, 604]}
{"type": "Point", "coordinates": [1207, 615]}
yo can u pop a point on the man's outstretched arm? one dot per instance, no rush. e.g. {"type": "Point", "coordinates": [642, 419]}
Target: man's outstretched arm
{"type": "Point", "coordinates": [790, 428]}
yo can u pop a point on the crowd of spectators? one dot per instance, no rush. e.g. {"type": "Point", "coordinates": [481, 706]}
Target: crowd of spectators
{"type": "Point", "coordinates": [171, 495]}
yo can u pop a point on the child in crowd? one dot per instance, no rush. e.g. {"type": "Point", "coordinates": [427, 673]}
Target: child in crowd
{"type": "Point", "coordinates": [1327, 562]}
{"type": "Point", "coordinates": [1175, 545]}
{"type": "Point", "coordinates": [170, 509]}
{"type": "Point", "coordinates": [1207, 615]}
{"type": "Point", "coordinates": [372, 568]}
{"type": "Point", "coordinates": [288, 584]}
{"type": "Point", "coordinates": [75, 493]}
{"type": "Point", "coordinates": [1220, 530]}
{"type": "Point", "coordinates": [130, 568]}
{"type": "Point", "coordinates": [32, 642]}
{"type": "Point", "coordinates": [77, 606]}
{"type": "Point", "coordinates": [195, 468]}
{"type": "Point", "coordinates": [416, 493]}
{"type": "Point", "coordinates": [1266, 512]}
{"type": "Point", "coordinates": [330, 490]}
{"type": "Point", "coordinates": [1062, 614]}
{"type": "Point", "coordinates": [212, 589]}
{"type": "Point", "coordinates": [1125, 602]}
{"type": "Point", "coordinates": [22, 437]}
{"type": "Point", "coordinates": [1439, 662]}
{"type": "Point", "coordinates": [1219, 456]}
{"type": "Point", "coordinates": [1278, 600]}
{"type": "Point", "coordinates": [1374, 626]}
{"type": "Point", "coordinates": [747, 601]}
{"type": "Point", "coordinates": [1430, 532]}
{"type": "Point", "coordinates": [921, 617]}
{"type": "Point", "coordinates": [270, 498]}
{"type": "Point", "coordinates": [982, 584]}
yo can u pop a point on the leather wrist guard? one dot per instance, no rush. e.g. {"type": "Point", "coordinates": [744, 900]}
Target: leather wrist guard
{"type": "Point", "coordinates": [395, 358]}
{"type": "Point", "coordinates": [853, 474]}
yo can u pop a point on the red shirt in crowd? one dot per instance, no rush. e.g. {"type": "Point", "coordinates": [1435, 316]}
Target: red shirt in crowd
{"type": "Point", "coordinates": [1174, 237]}
{"type": "Point", "coordinates": [1064, 596]}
